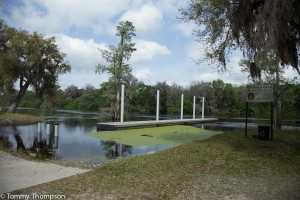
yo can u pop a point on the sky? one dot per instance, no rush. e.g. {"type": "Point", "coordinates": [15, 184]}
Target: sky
{"type": "Point", "coordinates": [166, 47]}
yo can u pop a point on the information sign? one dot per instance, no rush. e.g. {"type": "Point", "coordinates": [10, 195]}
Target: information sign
{"type": "Point", "coordinates": [259, 93]}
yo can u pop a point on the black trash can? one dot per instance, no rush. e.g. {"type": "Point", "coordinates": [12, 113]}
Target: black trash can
{"type": "Point", "coordinates": [264, 131]}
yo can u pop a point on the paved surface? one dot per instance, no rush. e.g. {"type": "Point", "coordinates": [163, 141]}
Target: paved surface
{"type": "Point", "coordinates": [151, 123]}
{"type": "Point", "coordinates": [95, 164]}
{"type": "Point", "coordinates": [17, 173]}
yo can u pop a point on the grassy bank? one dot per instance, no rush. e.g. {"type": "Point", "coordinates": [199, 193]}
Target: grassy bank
{"type": "Point", "coordinates": [14, 117]}
{"type": "Point", "coordinates": [224, 166]}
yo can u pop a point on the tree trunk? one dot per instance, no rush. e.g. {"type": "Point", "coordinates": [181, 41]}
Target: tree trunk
{"type": "Point", "coordinates": [278, 113]}
{"type": "Point", "coordinates": [277, 102]}
{"type": "Point", "coordinates": [18, 99]}
{"type": "Point", "coordinates": [116, 110]}
{"type": "Point", "coordinates": [117, 106]}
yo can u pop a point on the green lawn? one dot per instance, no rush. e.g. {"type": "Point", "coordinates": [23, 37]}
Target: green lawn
{"type": "Point", "coordinates": [225, 166]}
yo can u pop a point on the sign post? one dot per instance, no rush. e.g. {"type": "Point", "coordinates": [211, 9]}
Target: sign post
{"type": "Point", "coordinates": [259, 93]}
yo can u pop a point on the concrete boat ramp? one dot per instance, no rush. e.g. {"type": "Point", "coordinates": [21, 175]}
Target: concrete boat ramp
{"type": "Point", "coordinates": [143, 124]}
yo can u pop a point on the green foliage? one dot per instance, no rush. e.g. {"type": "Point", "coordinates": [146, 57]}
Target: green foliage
{"type": "Point", "coordinates": [119, 71]}
{"type": "Point", "coordinates": [144, 98]}
{"type": "Point", "coordinates": [221, 99]}
{"type": "Point", "coordinates": [258, 28]}
{"type": "Point", "coordinates": [30, 100]}
{"type": "Point", "coordinates": [188, 106]}
{"type": "Point", "coordinates": [31, 59]}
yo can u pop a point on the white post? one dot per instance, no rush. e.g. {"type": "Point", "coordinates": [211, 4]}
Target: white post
{"type": "Point", "coordinates": [202, 107]}
{"type": "Point", "coordinates": [56, 130]}
{"type": "Point", "coordinates": [157, 106]}
{"type": "Point", "coordinates": [55, 144]}
{"type": "Point", "coordinates": [48, 128]}
{"type": "Point", "coordinates": [39, 136]}
{"type": "Point", "coordinates": [181, 116]}
{"type": "Point", "coordinates": [39, 127]}
{"type": "Point", "coordinates": [194, 108]}
{"type": "Point", "coordinates": [121, 150]}
{"type": "Point", "coordinates": [122, 103]}
{"type": "Point", "coordinates": [48, 134]}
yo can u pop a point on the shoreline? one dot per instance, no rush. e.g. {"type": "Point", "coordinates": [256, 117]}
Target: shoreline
{"type": "Point", "coordinates": [7, 122]}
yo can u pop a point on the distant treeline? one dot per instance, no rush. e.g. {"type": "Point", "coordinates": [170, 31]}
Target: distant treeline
{"type": "Point", "coordinates": [222, 99]}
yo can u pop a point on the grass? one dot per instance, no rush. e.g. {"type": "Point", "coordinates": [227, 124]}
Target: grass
{"type": "Point", "coordinates": [223, 166]}
{"type": "Point", "coordinates": [20, 117]}
{"type": "Point", "coordinates": [167, 135]}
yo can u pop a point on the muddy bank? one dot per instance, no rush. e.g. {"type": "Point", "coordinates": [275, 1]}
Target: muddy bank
{"type": "Point", "coordinates": [6, 122]}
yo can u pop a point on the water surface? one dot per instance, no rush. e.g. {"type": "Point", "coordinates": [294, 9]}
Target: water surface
{"type": "Point", "coordinates": [75, 144]}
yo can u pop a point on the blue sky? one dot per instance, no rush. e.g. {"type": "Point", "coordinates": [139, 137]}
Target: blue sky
{"type": "Point", "coordinates": [165, 46]}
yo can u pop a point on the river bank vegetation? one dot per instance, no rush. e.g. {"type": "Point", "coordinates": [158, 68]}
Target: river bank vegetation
{"type": "Point", "coordinates": [222, 99]}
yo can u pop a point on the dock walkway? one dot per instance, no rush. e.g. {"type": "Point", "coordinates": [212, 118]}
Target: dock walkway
{"type": "Point", "coordinates": [143, 124]}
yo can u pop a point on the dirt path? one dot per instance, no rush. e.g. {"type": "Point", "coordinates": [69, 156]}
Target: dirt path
{"type": "Point", "coordinates": [17, 173]}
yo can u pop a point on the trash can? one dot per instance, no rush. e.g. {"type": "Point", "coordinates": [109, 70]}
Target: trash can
{"type": "Point", "coordinates": [264, 131]}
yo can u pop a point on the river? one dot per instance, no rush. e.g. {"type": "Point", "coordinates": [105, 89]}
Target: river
{"type": "Point", "coordinates": [75, 144]}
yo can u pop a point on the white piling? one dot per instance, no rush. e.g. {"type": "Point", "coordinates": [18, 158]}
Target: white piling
{"type": "Point", "coordinates": [121, 150]}
{"type": "Point", "coordinates": [56, 133]}
{"type": "Point", "coordinates": [194, 108]}
{"type": "Point", "coordinates": [39, 127]}
{"type": "Point", "coordinates": [48, 134]}
{"type": "Point", "coordinates": [48, 128]}
{"type": "Point", "coordinates": [157, 106]}
{"type": "Point", "coordinates": [122, 103]}
{"type": "Point", "coordinates": [202, 107]}
{"type": "Point", "coordinates": [39, 133]}
{"type": "Point", "coordinates": [56, 130]}
{"type": "Point", "coordinates": [181, 115]}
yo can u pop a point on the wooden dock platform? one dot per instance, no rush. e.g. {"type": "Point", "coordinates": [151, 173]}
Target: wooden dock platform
{"type": "Point", "coordinates": [143, 124]}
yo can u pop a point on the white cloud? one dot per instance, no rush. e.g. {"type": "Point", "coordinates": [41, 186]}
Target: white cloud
{"type": "Point", "coordinates": [207, 72]}
{"type": "Point", "coordinates": [195, 51]}
{"type": "Point", "coordinates": [82, 54]}
{"type": "Point", "coordinates": [143, 74]}
{"type": "Point", "coordinates": [186, 29]}
{"type": "Point", "coordinates": [148, 51]}
{"type": "Point", "coordinates": [147, 20]}
{"type": "Point", "coordinates": [234, 75]}
{"type": "Point", "coordinates": [290, 73]}
{"type": "Point", "coordinates": [57, 16]}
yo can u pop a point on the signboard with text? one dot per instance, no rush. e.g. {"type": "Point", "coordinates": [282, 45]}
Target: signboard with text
{"type": "Point", "coordinates": [259, 93]}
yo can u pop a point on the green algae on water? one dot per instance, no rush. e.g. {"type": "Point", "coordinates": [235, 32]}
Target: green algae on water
{"type": "Point", "coordinates": [167, 135]}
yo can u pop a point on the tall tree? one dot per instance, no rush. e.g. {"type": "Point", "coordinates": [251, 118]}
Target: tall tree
{"type": "Point", "coordinates": [32, 60]}
{"type": "Point", "coordinates": [259, 28]}
{"type": "Point", "coordinates": [119, 71]}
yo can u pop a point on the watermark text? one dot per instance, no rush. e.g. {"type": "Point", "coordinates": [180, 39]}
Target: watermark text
{"type": "Point", "coordinates": [31, 196]}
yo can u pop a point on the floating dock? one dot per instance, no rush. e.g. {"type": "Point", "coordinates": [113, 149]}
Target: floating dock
{"type": "Point", "coordinates": [111, 126]}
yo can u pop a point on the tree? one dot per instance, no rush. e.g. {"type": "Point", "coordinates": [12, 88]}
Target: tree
{"type": "Point", "coordinates": [6, 83]}
{"type": "Point", "coordinates": [259, 28]}
{"type": "Point", "coordinates": [119, 71]}
{"type": "Point", "coordinates": [272, 74]}
{"type": "Point", "coordinates": [32, 60]}
{"type": "Point", "coordinates": [72, 91]}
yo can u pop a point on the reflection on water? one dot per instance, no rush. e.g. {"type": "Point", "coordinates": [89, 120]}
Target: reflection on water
{"type": "Point", "coordinates": [74, 143]}
{"type": "Point", "coordinates": [114, 150]}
